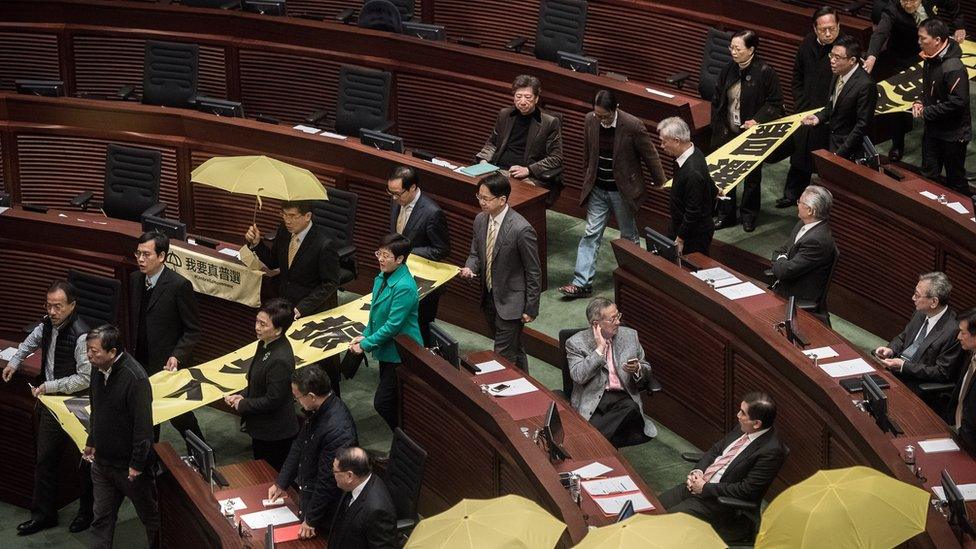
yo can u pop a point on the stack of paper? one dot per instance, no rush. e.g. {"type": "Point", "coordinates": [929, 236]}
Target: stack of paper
{"type": "Point", "coordinates": [739, 291]}
{"type": "Point", "coordinates": [612, 485]}
{"type": "Point", "coordinates": [307, 129]}
{"type": "Point", "coordinates": [477, 170]}
{"type": "Point", "coordinates": [958, 207]}
{"type": "Point", "coordinates": [968, 492]}
{"type": "Point", "coordinates": [846, 368]}
{"type": "Point", "coordinates": [514, 387]}
{"type": "Point", "coordinates": [276, 516]}
{"type": "Point", "coordinates": [938, 445]}
{"type": "Point", "coordinates": [716, 276]}
{"type": "Point", "coordinates": [592, 470]}
{"type": "Point", "coordinates": [821, 353]}
{"type": "Point", "coordinates": [611, 505]}
{"type": "Point", "coordinates": [238, 503]}
{"type": "Point", "coordinates": [489, 367]}
{"type": "Point", "coordinates": [929, 195]}
{"type": "Point", "coordinates": [613, 493]}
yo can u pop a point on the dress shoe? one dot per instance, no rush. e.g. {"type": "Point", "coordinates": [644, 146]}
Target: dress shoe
{"type": "Point", "coordinates": [34, 526]}
{"type": "Point", "coordinates": [573, 291]}
{"type": "Point", "coordinates": [724, 223]}
{"type": "Point", "coordinates": [80, 524]}
{"type": "Point", "coordinates": [785, 202]}
{"type": "Point", "coordinates": [748, 225]}
{"type": "Point", "coordinates": [894, 154]}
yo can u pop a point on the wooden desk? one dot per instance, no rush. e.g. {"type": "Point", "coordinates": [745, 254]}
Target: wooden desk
{"type": "Point", "coordinates": [888, 234]}
{"type": "Point", "coordinates": [709, 351]}
{"type": "Point", "coordinates": [191, 516]}
{"type": "Point", "coordinates": [477, 450]}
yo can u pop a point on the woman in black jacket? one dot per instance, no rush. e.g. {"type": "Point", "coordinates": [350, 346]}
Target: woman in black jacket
{"type": "Point", "coordinates": [747, 92]}
{"type": "Point", "coordinates": [266, 407]}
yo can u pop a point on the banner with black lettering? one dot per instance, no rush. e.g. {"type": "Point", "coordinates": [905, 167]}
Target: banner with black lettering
{"type": "Point", "coordinates": [218, 277]}
{"type": "Point", "coordinates": [312, 338]}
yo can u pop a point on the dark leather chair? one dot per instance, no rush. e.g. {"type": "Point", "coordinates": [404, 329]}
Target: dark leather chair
{"type": "Point", "coordinates": [715, 57]}
{"type": "Point", "coordinates": [97, 297]}
{"type": "Point", "coordinates": [652, 384]}
{"type": "Point", "coordinates": [170, 74]}
{"type": "Point", "coordinates": [406, 8]}
{"type": "Point", "coordinates": [381, 15]}
{"type": "Point", "coordinates": [364, 100]}
{"type": "Point", "coordinates": [819, 307]}
{"type": "Point", "coordinates": [131, 184]}
{"type": "Point", "coordinates": [404, 475]}
{"type": "Point", "coordinates": [337, 216]}
{"type": "Point", "coordinates": [561, 26]}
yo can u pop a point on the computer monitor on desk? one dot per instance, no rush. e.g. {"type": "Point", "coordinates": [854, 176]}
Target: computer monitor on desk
{"type": "Point", "coordinates": [380, 140]}
{"type": "Point", "coordinates": [658, 244]}
{"type": "Point", "coordinates": [169, 227]}
{"type": "Point", "coordinates": [552, 433]}
{"type": "Point", "coordinates": [789, 324]}
{"type": "Point", "coordinates": [202, 458]}
{"type": "Point", "coordinates": [443, 345]}
{"type": "Point", "coordinates": [958, 516]}
{"type": "Point", "coordinates": [876, 403]}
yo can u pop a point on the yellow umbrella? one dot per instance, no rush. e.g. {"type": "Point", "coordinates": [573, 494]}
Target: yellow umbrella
{"type": "Point", "coordinates": [856, 507]}
{"type": "Point", "coordinates": [510, 522]}
{"type": "Point", "coordinates": [260, 176]}
{"type": "Point", "coordinates": [654, 531]}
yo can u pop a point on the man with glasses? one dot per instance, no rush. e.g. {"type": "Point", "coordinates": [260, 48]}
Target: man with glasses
{"type": "Point", "coordinates": [853, 97]}
{"type": "Point", "coordinates": [329, 428]}
{"type": "Point", "coordinates": [163, 323]}
{"type": "Point", "coordinates": [505, 257]}
{"type": "Point", "coordinates": [367, 517]}
{"type": "Point", "coordinates": [606, 362]}
{"type": "Point", "coordinates": [416, 216]}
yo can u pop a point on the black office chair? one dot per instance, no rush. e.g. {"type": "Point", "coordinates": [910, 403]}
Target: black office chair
{"type": "Point", "coordinates": [218, 4]}
{"type": "Point", "coordinates": [381, 15]}
{"type": "Point", "coordinates": [819, 307]}
{"type": "Point", "coordinates": [97, 297]}
{"type": "Point", "coordinates": [404, 476]}
{"type": "Point", "coordinates": [652, 384]}
{"type": "Point", "coordinates": [169, 76]}
{"type": "Point", "coordinates": [561, 26]}
{"type": "Point", "coordinates": [131, 184]}
{"type": "Point", "coordinates": [715, 57]}
{"type": "Point", "coordinates": [337, 216]}
{"type": "Point", "coordinates": [748, 510]}
{"type": "Point", "coordinates": [364, 100]}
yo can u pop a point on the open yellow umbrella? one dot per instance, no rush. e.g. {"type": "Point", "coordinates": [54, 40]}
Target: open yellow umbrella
{"type": "Point", "coordinates": [654, 531]}
{"type": "Point", "coordinates": [259, 176]}
{"type": "Point", "coordinates": [856, 507]}
{"type": "Point", "coordinates": [510, 522]}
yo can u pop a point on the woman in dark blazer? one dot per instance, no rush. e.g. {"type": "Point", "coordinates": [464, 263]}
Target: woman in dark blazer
{"type": "Point", "coordinates": [265, 405]}
{"type": "Point", "coordinates": [747, 93]}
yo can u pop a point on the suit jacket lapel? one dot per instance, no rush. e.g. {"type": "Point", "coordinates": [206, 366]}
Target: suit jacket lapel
{"type": "Point", "coordinates": [593, 135]}
{"type": "Point", "coordinates": [159, 288]}
{"type": "Point", "coordinates": [414, 215]}
{"type": "Point", "coordinates": [535, 126]}
{"type": "Point", "coordinates": [752, 448]}
{"type": "Point", "coordinates": [303, 247]}
{"type": "Point", "coordinates": [932, 334]}
{"type": "Point", "coordinates": [394, 214]}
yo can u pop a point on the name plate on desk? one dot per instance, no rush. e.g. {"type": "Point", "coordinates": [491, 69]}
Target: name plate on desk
{"type": "Point", "coordinates": [216, 276]}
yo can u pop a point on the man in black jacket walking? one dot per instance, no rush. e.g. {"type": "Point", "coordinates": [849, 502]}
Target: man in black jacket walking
{"type": "Point", "coordinates": [692, 193]}
{"type": "Point", "coordinates": [329, 428]}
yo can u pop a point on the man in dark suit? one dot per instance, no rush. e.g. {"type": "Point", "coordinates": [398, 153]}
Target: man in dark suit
{"type": "Point", "coordinates": [927, 351]}
{"type": "Point", "coordinates": [505, 255]}
{"type": "Point", "coordinates": [163, 320]}
{"type": "Point", "coordinates": [853, 97]}
{"type": "Point", "coordinates": [366, 518]}
{"type": "Point", "coordinates": [742, 465]}
{"type": "Point", "coordinates": [962, 406]}
{"type": "Point", "coordinates": [308, 265]}
{"type": "Point", "coordinates": [614, 145]}
{"type": "Point", "coordinates": [329, 428]}
{"type": "Point", "coordinates": [526, 140]}
{"type": "Point", "coordinates": [693, 192]}
{"type": "Point", "coordinates": [802, 266]}
{"type": "Point", "coordinates": [416, 216]}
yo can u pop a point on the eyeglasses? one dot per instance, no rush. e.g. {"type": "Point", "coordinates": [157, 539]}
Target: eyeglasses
{"type": "Point", "coordinates": [614, 318]}
{"type": "Point", "coordinates": [484, 199]}
{"type": "Point", "coordinates": [735, 49]}
{"type": "Point", "coordinates": [291, 215]}
{"type": "Point", "coordinates": [143, 255]}
{"type": "Point", "coordinates": [835, 57]}
{"type": "Point", "coordinates": [395, 194]}
{"type": "Point", "coordinates": [299, 397]}
{"type": "Point", "coordinates": [383, 254]}
{"type": "Point", "coordinates": [337, 471]}
{"type": "Point", "coordinates": [917, 295]}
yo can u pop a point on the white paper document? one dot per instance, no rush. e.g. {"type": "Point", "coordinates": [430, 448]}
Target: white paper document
{"type": "Point", "coordinates": [612, 485]}
{"type": "Point", "coordinates": [659, 92]}
{"type": "Point", "coordinates": [489, 367]}
{"type": "Point", "coordinates": [968, 492]}
{"type": "Point", "coordinates": [739, 291]}
{"type": "Point", "coordinates": [4, 208]}
{"type": "Point", "coordinates": [929, 195]}
{"type": "Point", "coordinates": [443, 163]}
{"type": "Point", "coordinates": [937, 445]}
{"type": "Point", "coordinates": [514, 387]}
{"type": "Point", "coordinates": [8, 353]}
{"type": "Point", "coordinates": [846, 368]}
{"type": "Point", "coordinates": [231, 252]}
{"type": "Point", "coordinates": [332, 135]}
{"type": "Point", "coordinates": [306, 129]}
{"type": "Point", "coordinates": [714, 274]}
{"type": "Point", "coordinates": [821, 352]}
{"type": "Point", "coordinates": [594, 469]}
{"type": "Point", "coordinates": [957, 206]}
{"type": "Point", "coordinates": [276, 516]}
{"type": "Point", "coordinates": [611, 505]}
{"type": "Point", "coordinates": [238, 503]}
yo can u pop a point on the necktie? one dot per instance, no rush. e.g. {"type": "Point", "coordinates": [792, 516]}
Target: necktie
{"type": "Point", "coordinates": [840, 86]}
{"type": "Point", "coordinates": [292, 249]}
{"type": "Point", "coordinates": [726, 458]}
{"type": "Point", "coordinates": [489, 252]}
{"type": "Point", "coordinates": [401, 221]}
{"type": "Point", "coordinates": [909, 353]}
{"type": "Point", "coordinates": [148, 284]}
{"type": "Point", "coordinates": [964, 390]}
{"type": "Point", "coordinates": [613, 382]}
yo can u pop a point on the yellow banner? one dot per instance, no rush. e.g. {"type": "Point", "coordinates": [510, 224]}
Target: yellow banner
{"type": "Point", "coordinates": [218, 277]}
{"type": "Point", "coordinates": [312, 338]}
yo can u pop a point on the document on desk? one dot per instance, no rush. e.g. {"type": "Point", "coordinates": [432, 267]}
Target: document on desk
{"type": "Point", "coordinates": [740, 291]}
{"type": "Point", "coordinates": [307, 129]}
{"type": "Point", "coordinates": [958, 207]}
{"type": "Point", "coordinates": [609, 486]}
{"type": "Point", "coordinates": [8, 353]}
{"type": "Point", "coordinates": [514, 387]}
{"type": "Point", "coordinates": [937, 445]}
{"type": "Point", "coordinates": [489, 367]}
{"type": "Point", "coordinates": [659, 92]}
{"type": "Point", "coordinates": [332, 135]}
{"type": "Point", "coordinates": [611, 505]}
{"type": "Point", "coordinates": [968, 492]}
{"type": "Point", "coordinates": [276, 516]}
{"type": "Point", "coordinates": [231, 252]}
{"type": "Point", "coordinates": [477, 170]}
{"type": "Point", "coordinates": [929, 195]}
{"type": "Point", "coordinates": [238, 503]}
{"type": "Point", "coordinates": [3, 209]}
{"type": "Point", "coordinates": [846, 368]}
{"type": "Point", "coordinates": [715, 274]}
{"type": "Point", "coordinates": [592, 470]}
{"type": "Point", "coordinates": [821, 353]}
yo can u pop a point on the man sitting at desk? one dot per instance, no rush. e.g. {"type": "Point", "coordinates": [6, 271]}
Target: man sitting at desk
{"type": "Point", "coordinates": [742, 465]}
{"type": "Point", "coordinates": [962, 407]}
{"type": "Point", "coordinates": [802, 267]}
{"type": "Point", "coordinates": [607, 365]}
{"type": "Point", "coordinates": [927, 351]}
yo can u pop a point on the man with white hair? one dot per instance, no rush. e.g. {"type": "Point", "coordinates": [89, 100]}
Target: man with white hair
{"type": "Point", "coordinates": [692, 191]}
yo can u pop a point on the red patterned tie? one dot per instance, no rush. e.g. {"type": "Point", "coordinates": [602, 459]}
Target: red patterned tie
{"type": "Point", "coordinates": [726, 458]}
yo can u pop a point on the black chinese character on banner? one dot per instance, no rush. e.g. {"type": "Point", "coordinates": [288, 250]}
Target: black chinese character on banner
{"type": "Point", "coordinates": [765, 138]}
{"type": "Point", "coordinates": [424, 286]}
{"type": "Point", "coordinates": [328, 333]}
{"type": "Point", "coordinates": [728, 171]}
{"type": "Point", "coordinates": [80, 407]}
{"type": "Point", "coordinates": [194, 388]}
{"type": "Point", "coordinates": [239, 366]}
{"type": "Point", "coordinates": [223, 273]}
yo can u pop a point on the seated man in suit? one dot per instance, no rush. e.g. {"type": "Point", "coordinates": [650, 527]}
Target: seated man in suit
{"type": "Point", "coordinates": [927, 351]}
{"type": "Point", "coordinates": [526, 140]}
{"type": "Point", "coordinates": [328, 429]}
{"type": "Point", "coordinates": [853, 97]}
{"type": "Point", "coordinates": [742, 465]}
{"type": "Point", "coordinates": [607, 365]}
{"type": "Point", "coordinates": [416, 216]}
{"type": "Point", "coordinates": [366, 518]}
{"type": "Point", "coordinates": [962, 406]}
{"type": "Point", "coordinates": [802, 266]}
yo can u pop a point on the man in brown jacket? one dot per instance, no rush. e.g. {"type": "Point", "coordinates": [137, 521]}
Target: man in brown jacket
{"type": "Point", "coordinates": [526, 140]}
{"type": "Point", "coordinates": [614, 145]}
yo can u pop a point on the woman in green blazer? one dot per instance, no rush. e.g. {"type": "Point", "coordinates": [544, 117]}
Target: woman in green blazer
{"type": "Point", "coordinates": [392, 312]}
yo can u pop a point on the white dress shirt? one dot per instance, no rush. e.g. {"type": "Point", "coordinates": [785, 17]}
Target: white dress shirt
{"type": "Point", "coordinates": [805, 229]}
{"type": "Point", "coordinates": [359, 489]}
{"type": "Point", "coordinates": [408, 209]}
{"type": "Point", "coordinates": [685, 156]}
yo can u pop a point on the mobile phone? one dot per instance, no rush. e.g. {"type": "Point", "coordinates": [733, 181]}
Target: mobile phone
{"type": "Point", "coordinates": [499, 388]}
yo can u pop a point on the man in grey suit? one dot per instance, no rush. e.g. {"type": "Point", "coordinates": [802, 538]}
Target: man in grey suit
{"type": "Point", "coordinates": [607, 365]}
{"type": "Point", "coordinates": [505, 256]}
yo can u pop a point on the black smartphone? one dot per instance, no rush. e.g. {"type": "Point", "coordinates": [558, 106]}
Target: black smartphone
{"type": "Point", "coordinates": [499, 388]}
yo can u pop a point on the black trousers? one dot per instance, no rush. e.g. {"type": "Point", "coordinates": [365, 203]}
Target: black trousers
{"type": "Point", "coordinates": [111, 486]}
{"type": "Point", "coordinates": [427, 312]}
{"type": "Point", "coordinates": [273, 451]}
{"type": "Point", "coordinates": [698, 243]}
{"type": "Point", "coordinates": [182, 423]}
{"type": "Point", "coordinates": [751, 198]}
{"type": "Point", "coordinates": [52, 442]}
{"type": "Point", "coordinates": [936, 154]}
{"type": "Point", "coordinates": [330, 366]}
{"type": "Point", "coordinates": [618, 418]}
{"type": "Point", "coordinates": [797, 180]}
{"type": "Point", "coordinates": [507, 335]}
{"type": "Point", "coordinates": [386, 400]}
{"type": "Point", "coordinates": [679, 500]}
